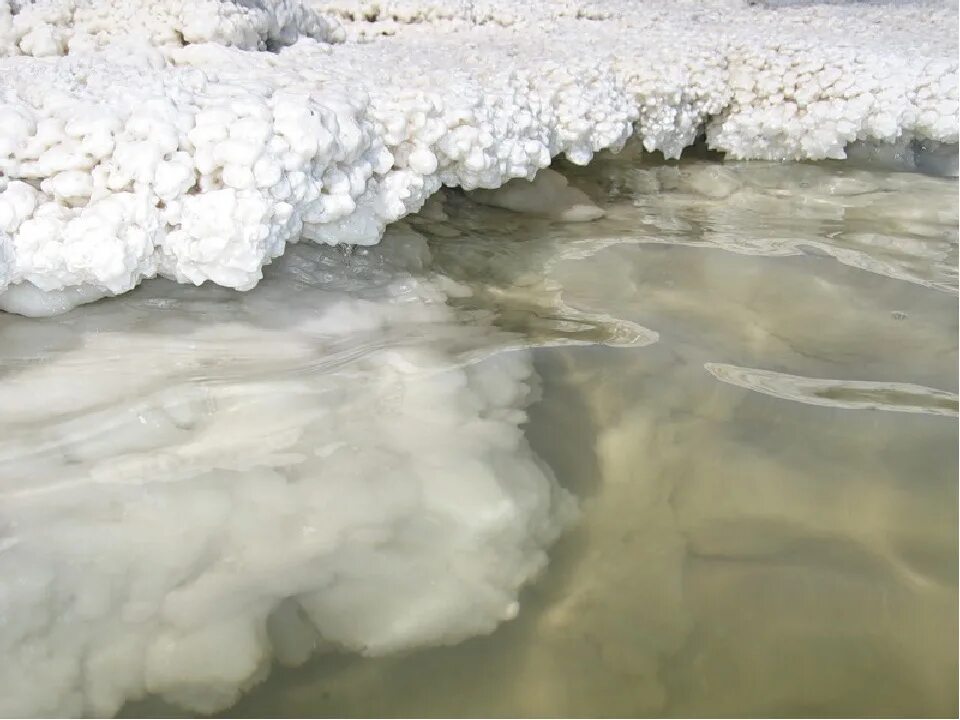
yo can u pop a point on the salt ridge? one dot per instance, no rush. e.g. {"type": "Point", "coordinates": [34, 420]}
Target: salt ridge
{"type": "Point", "coordinates": [195, 140]}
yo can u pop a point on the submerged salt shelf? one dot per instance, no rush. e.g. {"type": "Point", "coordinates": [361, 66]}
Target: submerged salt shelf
{"type": "Point", "coordinates": [196, 482]}
{"type": "Point", "coordinates": [195, 140]}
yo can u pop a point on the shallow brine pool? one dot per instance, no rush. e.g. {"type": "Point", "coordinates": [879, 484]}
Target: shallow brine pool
{"type": "Point", "coordinates": [710, 438]}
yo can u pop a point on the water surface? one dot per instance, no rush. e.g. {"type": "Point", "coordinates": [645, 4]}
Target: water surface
{"type": "Point", "coordinates": [745, 373]}
{"type": "Point", "coordinates": [761, 424]}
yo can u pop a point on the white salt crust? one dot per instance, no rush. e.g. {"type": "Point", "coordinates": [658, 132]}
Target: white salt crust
{"type": "Point", "coordinates": [194, 140]}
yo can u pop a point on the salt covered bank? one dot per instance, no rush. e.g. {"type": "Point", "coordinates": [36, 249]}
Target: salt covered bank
{"type": "Point", "coordinates": [161, 534]}
{"type": "Point", "coordinates": [195, 139]}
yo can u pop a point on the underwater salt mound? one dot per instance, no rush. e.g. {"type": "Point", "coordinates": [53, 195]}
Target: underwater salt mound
{"type": "Point", "coordinates": [197, 482]}
{"type": "Point", "coordinates": [547, 194]}
{"type": "Point", "coordinates": [194, 141]}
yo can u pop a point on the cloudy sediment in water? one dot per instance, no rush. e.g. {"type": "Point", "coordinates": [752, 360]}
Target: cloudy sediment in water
{"type": "Point", "coordinates": [198, 482]}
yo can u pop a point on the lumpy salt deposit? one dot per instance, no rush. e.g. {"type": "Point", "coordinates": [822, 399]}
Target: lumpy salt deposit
{"type": "Point", "coordinates": [197, 482]}
{"type": "Point", "coordinates": [195, 140]}
{"type": "Point", "coordinates": [360, 386]}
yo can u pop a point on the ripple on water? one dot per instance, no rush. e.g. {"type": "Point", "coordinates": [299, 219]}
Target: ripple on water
{"type": "Point", "coordinates": [845, 394]}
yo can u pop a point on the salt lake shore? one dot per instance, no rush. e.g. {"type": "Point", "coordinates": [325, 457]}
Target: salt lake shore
{"type": "Point", "coordinates": [195, 140]}
{"type": "Point", "coordinates": [267, 373]}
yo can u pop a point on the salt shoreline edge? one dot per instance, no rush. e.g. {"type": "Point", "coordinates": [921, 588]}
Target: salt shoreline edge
{"type": "Point", "coordinates": [196, 141]}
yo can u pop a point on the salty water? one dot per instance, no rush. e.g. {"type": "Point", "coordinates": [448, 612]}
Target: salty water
{"type": "Point", "coordinates": [746, 373]}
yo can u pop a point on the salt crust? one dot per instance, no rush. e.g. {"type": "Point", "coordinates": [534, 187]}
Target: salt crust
{"type": "Point", "coordinates": [194, 140]}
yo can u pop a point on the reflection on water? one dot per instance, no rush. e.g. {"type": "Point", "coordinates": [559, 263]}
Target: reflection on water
{"type": "Point", "coordinates": [746, 373]}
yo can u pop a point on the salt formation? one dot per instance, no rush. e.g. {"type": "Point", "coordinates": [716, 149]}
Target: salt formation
{"type": "Point", "coordinates": [42, 28]}
{"type": "Point", "coordinates": [197, 482]}
{"type": "Point", "coordinates": [195, 140]}
{"type": "Point", "coordinates": [351, 475]}
{"type": "Point", "coordinates": [548, 194]}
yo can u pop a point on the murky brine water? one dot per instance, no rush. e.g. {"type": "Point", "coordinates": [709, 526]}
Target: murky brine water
{"type": "Point", "coordinates": [746, 373]}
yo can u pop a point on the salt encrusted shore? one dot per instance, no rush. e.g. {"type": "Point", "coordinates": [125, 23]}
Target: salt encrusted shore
{"type": "Point", "coordinates": [194, 140]}
{"type": "Point", "coordinates": [196, 484]}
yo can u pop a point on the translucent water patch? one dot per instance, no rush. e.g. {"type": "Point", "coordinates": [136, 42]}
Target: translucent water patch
{"type": "Point", "coordinates": [896, 224]}
{"type": "Point", "coordinates": [926, 156]}
{"type": "Point", "coordinates": [506, 267]}
{"type": "Point", "coordinates": [844, 394]}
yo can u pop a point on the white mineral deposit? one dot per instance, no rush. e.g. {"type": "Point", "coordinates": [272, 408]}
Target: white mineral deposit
{"type": "Point", "coordinates": [478, 357]}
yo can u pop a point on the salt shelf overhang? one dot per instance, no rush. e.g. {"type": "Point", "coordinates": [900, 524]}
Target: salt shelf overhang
{"type": "Point", "coordinates": [194, 140]}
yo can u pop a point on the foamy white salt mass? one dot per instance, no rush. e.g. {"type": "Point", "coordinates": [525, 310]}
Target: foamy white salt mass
{"type": "Point", "coordinates": [332, 462]}
{"type": "Point", "coordinates": [194, 140]}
